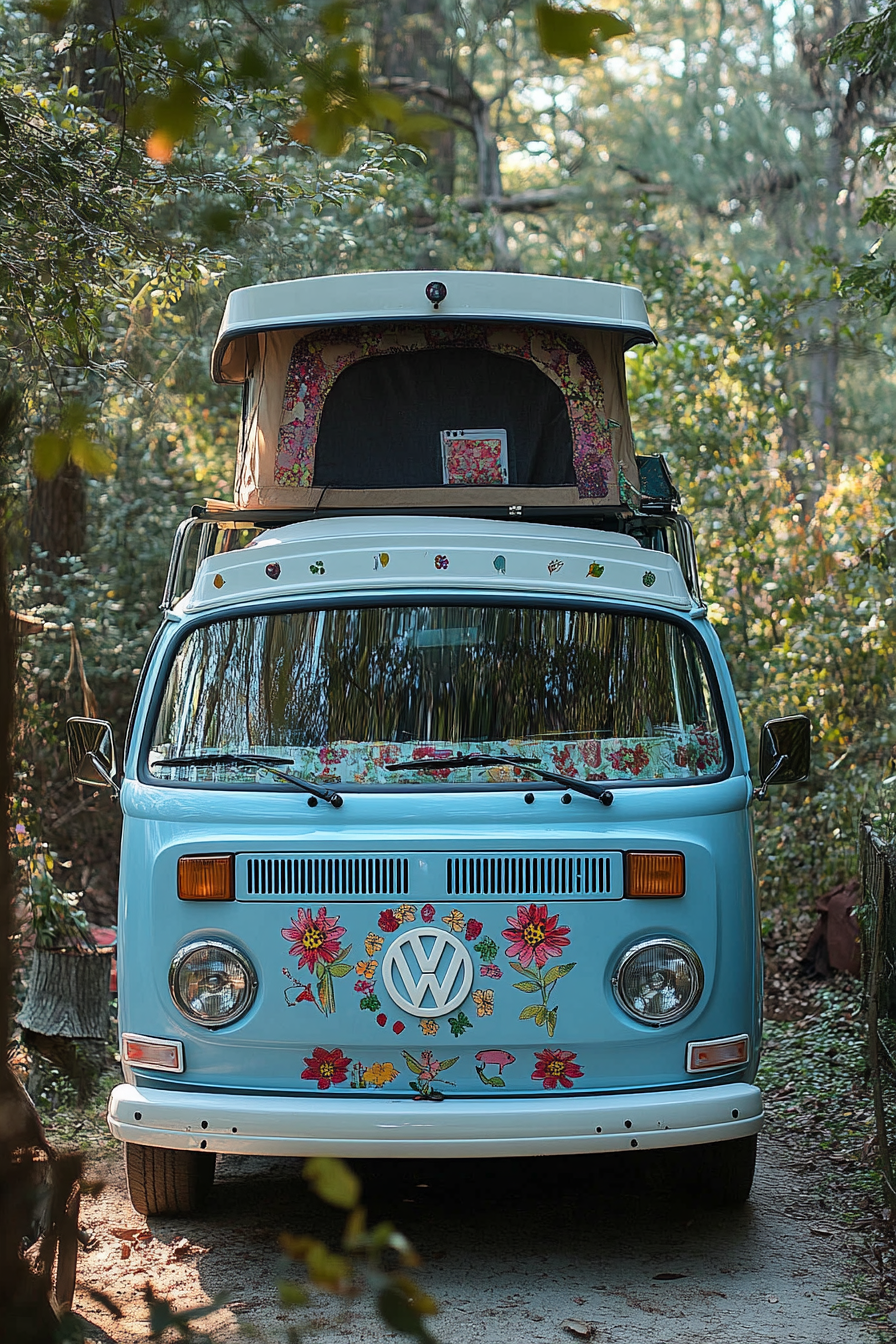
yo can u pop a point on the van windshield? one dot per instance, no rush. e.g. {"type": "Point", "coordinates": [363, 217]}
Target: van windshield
{"type": "Point", "coordinates": [343, 692]}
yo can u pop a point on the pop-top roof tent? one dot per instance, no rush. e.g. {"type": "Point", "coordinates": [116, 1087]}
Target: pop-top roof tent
{"type": "Point", "coordinates": [433, 390]}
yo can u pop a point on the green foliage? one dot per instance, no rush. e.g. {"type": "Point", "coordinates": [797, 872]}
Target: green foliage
{"type": "Point", "coordinates": [797, 584]}
{"type": "Point", "coordinates": [578, 33]}
{"type": "Point", "coordinates": [401, 1304]}
{"type": "Point", "coordinates": [54, 917]}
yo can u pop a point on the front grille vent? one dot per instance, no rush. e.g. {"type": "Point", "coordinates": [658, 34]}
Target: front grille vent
{"type": "Point", "coordinates": [530, 875]}
{"type": "Point", "coordinates": [279, 875]}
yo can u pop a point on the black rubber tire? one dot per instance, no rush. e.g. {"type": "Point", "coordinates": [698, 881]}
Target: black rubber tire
{"type": "Point", "coordinates": [720, 1175]}
{"type": "Point", "coordinates": [168, 1180]}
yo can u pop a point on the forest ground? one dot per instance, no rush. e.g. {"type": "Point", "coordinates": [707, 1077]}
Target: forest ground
{"type": "Point", "coordinates": [544, 1250]}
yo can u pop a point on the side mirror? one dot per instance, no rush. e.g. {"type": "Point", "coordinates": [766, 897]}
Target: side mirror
{"type": "Point", "coordinates": [785, 748]}
{"type": "Point", "coordinates": [91, 752]}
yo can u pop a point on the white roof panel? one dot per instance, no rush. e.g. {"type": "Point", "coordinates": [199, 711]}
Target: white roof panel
{"type": "Point", "coordinates": [391, 556]}
{"type": "Point", "coordinates": [400, 296]}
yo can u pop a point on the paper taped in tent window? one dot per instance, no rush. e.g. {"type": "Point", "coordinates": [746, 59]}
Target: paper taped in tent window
{"type": "Point", "coordinates": [474, 457]}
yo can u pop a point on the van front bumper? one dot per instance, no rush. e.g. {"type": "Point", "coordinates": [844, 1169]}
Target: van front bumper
{"type": "Point", "coordinates": [365, 1126]}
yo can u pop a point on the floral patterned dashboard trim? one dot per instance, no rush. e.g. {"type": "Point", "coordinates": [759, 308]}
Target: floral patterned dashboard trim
{"type": "Point", "coordinates": [319, 358]}
{"type": "Point", "coordinates": [688, 755]}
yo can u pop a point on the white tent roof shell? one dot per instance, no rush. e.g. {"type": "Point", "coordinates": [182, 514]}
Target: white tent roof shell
{"type": "Point", "coordinates": [400, 296]}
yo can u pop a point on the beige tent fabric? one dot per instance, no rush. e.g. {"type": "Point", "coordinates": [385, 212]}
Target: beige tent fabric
{"type": "Point", "coordinates": [606, 349]}
{"type": "Point", "coordinates": [257, 452]}
{"type": "Point", "coordinates": [263, 414]}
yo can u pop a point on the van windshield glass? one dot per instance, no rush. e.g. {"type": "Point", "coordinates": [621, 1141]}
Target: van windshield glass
{"type": "Point", "coordinates": [342, 693]}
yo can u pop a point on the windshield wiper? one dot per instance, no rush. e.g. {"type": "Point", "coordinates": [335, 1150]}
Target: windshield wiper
{"type": "Point", "coordinates": [258, 762]}
{"type": "Point", "coordinates": [524, 762]}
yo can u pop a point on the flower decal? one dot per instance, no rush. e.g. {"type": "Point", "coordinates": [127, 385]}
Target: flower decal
{"type": "Point", "coordinates": [473, 930]}
{"type": "Point", "coordinates": [366, 969]}
{"type": "Point", "coordinates": [487, 949]}
{"type": "Point", "coordinates": [373, 943]}
{"type": "Point", "coordinates": [534, 936]}
{"type": "Point", "coordinates": [314, 940]}
{"type": "Point", "coordinates": [553, 1067]}
{"type": "Point", "coordinates": [406, 913]}
{"type": "Point", "coordinates": [428, 914]}
{"type": "Point", "coordinates": [490, 971]}
{"type": "Point", "coordinates": [377, 1075]}
{"type": "Point", "coordinates": [427, 1068]}
{"type": "Point", "coordinates": [429, 1026]}
{"type": "Point", "coordinates": [326, 1067]}
{"type": "Point", "coordinates": [459, 1024]}
{"type": "Point", "coordinates": [484, 1000]}
{"type": "Point", "coordinates": [364, 986]}
{"type": "Point", "coordinates": [454, 920]}
{"type": "Point", "coordinates": [305, 994]}
{"type": "Point", "coordinates": [387, 921]}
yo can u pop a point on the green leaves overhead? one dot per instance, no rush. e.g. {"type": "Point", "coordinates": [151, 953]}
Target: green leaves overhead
{"type": "Point", "coordinates": [332, 1181]}
{"type": "Point", "coordinates": [578, 34]}
{"type": "Point", "coordinates": [71, 441]}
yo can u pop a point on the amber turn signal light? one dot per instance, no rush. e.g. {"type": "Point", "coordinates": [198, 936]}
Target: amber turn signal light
{"type": "Point", "coordinates": [205, 877]}
{"type": "Point", "coordinates": [151, 1052]}
{"type": "Point", "coordinates": [650, 874]}
{"type": "Point", "coordinates": [721, 1054]}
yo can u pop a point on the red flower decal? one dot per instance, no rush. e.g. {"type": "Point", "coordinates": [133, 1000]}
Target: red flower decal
{"type": "Point", "coordinates": [398, 1028]}
{"type": "Point", "coordinates": [428, 914]}
{"type": "Point", "coordinates": [534, 936]}
{"type": "Point", "coordinates": [381, 1019]}
{"type": "Point", "coordinates": [474, 928]}
{"type": "Point", "coordinates": [326, 1067]}
{"type": "Point", "coordinates": [555, 1066]}
{"type": "Point", "coordinates": [364, 986]}
{"type": "Point", "coordinates": [387, 921]}
{"type": "Point", "coordinates": [314, 939]}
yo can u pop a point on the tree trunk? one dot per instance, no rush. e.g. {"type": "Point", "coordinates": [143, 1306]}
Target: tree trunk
{"type": "Point", "coordinates": [409, 41]}
{"type": "Point", "coordinates": [65, 1016]}
{"type": "Point", "coordinates": [68, 992]}
{"type": "Point", "coordinates": [58, 522]}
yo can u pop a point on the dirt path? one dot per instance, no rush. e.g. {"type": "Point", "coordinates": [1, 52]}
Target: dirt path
{"type": "Point", "coordinates": [511, 1250]}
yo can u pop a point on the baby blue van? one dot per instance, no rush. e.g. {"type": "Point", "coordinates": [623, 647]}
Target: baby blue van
{"type": "Point", "coordinates": [436, 798]}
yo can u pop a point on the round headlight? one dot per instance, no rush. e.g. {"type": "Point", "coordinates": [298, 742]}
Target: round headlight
{"type": "Point", "coordinates": [658, 981]}
{"type": "Point", "coordinates": [212, 983]}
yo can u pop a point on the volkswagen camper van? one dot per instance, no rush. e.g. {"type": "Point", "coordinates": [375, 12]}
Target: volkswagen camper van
{"type": "Point", "coordinates": [437, 836]}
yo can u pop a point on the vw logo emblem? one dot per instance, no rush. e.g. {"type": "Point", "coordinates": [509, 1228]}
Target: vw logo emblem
{"type": "Point", "coordinates": [427, 972]}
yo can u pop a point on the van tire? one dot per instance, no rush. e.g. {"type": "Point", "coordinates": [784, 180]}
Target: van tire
{"type": "Point", "coordinates": [719, 1175]}
{"type": "Point", "coordinates": [168, 1180]}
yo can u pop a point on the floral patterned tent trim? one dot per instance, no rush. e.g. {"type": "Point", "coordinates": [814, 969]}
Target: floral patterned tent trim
{"type": "Point", "coordinates": [318, 359]}
{"type": "Point", "coordinates": [690, 755]}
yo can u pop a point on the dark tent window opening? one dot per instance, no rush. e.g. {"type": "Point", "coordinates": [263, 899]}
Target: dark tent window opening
{"type": "Point", "coordinates": [384, 419]}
